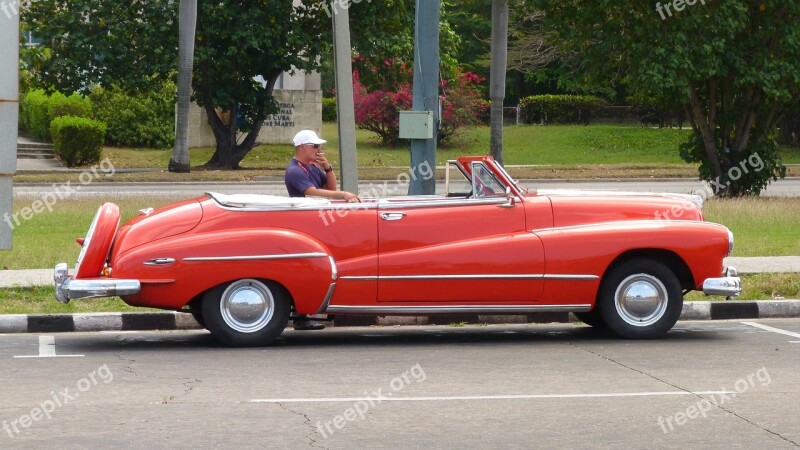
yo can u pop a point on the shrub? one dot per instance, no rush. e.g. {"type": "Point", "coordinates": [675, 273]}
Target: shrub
{"type": "Point", "coordinates": [38, 110]}
{"type": "Point", "coordinates": [559, 109]}
{"type": "Point", "coordinates": [30, 104]}
{"type": "Point", "coordinates": [78, 140]}
{"type": "Point", "coordinates": [137, 120]}
{"type": "Point", "coordinates": [33, 112]}
{"type": "Point", "coordinates": [649, 111]}
{"type": "Point", "coordinates": [329, 110]}
{"type": "Point", "coordinates": [462, 104]}
{"type": "Point", "coordinates": [379, 111]}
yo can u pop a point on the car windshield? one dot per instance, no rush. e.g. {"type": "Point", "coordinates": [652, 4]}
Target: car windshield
{"type": "Point", "coordinates": [484, 183]}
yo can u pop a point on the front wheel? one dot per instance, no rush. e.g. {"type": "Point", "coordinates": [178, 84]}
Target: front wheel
{"type": "Point", "coordinates": [640, 299]}
{"type": "Point", "coordinates": [246, 313]}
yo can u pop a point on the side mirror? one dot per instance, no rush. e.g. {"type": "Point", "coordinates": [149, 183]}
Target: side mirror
{"type": "Point", "coordinates": [511, 199]}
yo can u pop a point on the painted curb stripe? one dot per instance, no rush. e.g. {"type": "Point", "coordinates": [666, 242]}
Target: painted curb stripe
{"type": "Point", "coordinates": [87, 322]}
{"type": "Point", "coordinates": [738, 310]}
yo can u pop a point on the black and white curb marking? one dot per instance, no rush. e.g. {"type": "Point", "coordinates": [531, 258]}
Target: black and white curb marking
{"type": "Point", "coordinates": [59, 323]}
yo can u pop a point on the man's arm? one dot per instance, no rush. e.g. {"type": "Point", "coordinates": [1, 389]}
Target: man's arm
{"type": "Point", "coordinates": [331, 193]}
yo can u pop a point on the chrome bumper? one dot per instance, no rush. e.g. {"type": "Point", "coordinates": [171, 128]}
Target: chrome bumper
{"type": "Point", "coordinates": [729, 285]}
{"type": "Point", "coordinates": [68, 288]}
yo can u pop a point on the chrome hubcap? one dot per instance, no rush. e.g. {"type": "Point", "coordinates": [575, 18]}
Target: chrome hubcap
{"type": "Point", "coordinates": [641, 300]}
{"type": "Point", "coordinates": [247, 305]}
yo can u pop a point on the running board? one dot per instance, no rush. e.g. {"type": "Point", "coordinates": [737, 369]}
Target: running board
{"type": "Point", "coordinates": [454, 309]}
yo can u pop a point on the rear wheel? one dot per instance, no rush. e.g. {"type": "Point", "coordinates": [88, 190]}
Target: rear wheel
{"type": "Point", "coordinates": [246, 312]}
{"type": "Point", "coordinates": [592, 318]}
{"type": "Point", "coordinates": [640, 299]}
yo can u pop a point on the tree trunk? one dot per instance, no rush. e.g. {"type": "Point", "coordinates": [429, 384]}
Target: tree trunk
{"type": "Point", "coordinates": [187, 23]}
{"type": "Point", "coordinates": [229, 152]}
{"type": "Point", "coordinates": [497, 76]}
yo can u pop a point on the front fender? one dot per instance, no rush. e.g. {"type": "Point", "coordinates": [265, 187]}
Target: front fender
{"type": "Point", "coordinates": [174, 271]}
{"type": "Point", "coordinates": [590, 249]}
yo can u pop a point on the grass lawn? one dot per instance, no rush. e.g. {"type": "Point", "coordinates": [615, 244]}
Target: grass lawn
{"type": "Point", "coordinates": [767, 226]}
{"type": "Point", "coordinates": [567, 151]}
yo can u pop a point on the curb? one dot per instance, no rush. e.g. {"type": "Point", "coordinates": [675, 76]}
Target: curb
{"type": "Point", "coordinates": [88, 322]}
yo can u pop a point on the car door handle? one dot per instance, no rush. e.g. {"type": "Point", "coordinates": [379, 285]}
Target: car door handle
{"type": "Point", "coordinates": [392, 216]}
{"type": "Point", "coordinates": [159, 261]}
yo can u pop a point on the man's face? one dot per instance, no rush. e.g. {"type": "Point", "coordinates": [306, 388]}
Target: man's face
{"type": "Point", "coordinates": [310, 151]}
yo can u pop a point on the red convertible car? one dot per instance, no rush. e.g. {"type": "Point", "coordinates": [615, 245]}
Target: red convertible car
{"type": "Point", "coordinates": [242, 264]}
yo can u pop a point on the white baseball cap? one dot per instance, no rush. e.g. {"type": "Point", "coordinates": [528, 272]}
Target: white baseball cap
{"type": "Point", "coordinates": [307, 137]}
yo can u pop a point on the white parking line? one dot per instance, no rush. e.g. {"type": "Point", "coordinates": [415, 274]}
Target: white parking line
{"type": "Point", "coordinates": [481, 397]}
{"type": "Point", "coordinates": [775, 330]}
{"type": "Point", "coordinates": [47, 349]}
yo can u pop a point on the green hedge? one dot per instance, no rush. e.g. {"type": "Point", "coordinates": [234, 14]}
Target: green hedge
{"type": "Point", "coordinates": [329, 109]}
{"type": "Point", "coordinates": [140, 120]}
{"type": "Point", "coordinates": [78, 140]}
{"type": "Point", "coordinates": [559, 109]}
{"type": "Point", "coordinates": [38, 110]}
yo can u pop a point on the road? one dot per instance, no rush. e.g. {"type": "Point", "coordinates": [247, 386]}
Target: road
{"type": "Point", "coordinates": [781, 188]}
{"type": "Point", "coordinates": [707, 385]}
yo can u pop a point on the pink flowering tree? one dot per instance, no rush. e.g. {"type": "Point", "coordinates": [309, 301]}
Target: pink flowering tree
{"type": "Point", "coordinates": [378, 110]}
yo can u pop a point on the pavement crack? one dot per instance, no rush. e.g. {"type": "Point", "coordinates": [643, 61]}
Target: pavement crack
{"type": "Point", "coordinates": [129, 366]}
{"type": "Point", "coordinates": [698, 396]}
{"type": "Point", "coordinates": [307, 421]}
{"type": "Point", "coordinates": [190, 385]}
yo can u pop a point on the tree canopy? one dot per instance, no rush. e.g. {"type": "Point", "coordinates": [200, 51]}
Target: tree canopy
{"type": "Point", "coordinates": [733, 66]}
{"type": "Point", "coordinates": [132, 43]}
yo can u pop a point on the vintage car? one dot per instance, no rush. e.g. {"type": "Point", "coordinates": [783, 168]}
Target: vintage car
{"type": "Point", "coordinates": [242, 264]}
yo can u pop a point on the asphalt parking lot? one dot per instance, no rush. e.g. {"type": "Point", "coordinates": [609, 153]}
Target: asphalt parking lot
{"type": "Point", "coordinates": [707, 385]}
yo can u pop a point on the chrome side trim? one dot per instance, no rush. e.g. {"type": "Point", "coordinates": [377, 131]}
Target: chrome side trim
{"type": "Point", "coordinates": [570, 277]}
{"type": "Point", "coordinates": [334, 269]}
{"type": "Point", "coordinates": [324, 306]}
{"type": "Point", "coordinates": [439, 203]}
{"type": "Point", "coordinates": [256, 257]}
{"type": "Point", "coordinates": [500, 309]}
{"type": "Point", "coordinates": [473, 277]}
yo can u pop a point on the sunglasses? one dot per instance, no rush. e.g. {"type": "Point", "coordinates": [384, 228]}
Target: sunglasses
{"type": "Point", "coordinates": [316, 146]}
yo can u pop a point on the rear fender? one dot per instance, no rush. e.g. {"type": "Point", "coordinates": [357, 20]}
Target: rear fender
{"type": "Point", "coordinates": [174, 271]}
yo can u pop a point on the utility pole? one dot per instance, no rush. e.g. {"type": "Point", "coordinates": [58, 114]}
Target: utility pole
{"type": "Point", "coordinates": [497, 76]}
{"type": "Point", "coordinates": [187, 24]}
{"type": "Point", "coordinates": [426, 91]}
{"type": "Point", "coordinates": [9, 116]}
{"type": "Point", "coordinates": [345, 110]}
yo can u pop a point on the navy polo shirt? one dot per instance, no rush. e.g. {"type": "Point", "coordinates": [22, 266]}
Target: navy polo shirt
{"type": "Point", "coordinates": [300, 177]}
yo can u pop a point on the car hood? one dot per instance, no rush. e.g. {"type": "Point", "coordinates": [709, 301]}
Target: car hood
{"type": "Point", "coordinates": [578, 207]}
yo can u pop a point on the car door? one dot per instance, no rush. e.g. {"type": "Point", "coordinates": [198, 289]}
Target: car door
{"type": "Point", "coordinates": [466, 250]}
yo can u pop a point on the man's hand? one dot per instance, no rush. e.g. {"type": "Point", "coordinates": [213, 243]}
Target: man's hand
{"type": "Point", "coordinates": [349, 197]}
{"type": "Point", "coordinates": [322, 162]}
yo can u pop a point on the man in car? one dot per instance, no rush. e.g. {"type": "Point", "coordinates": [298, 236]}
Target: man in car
{"type": "Point", "coordinates": [310, 174]}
